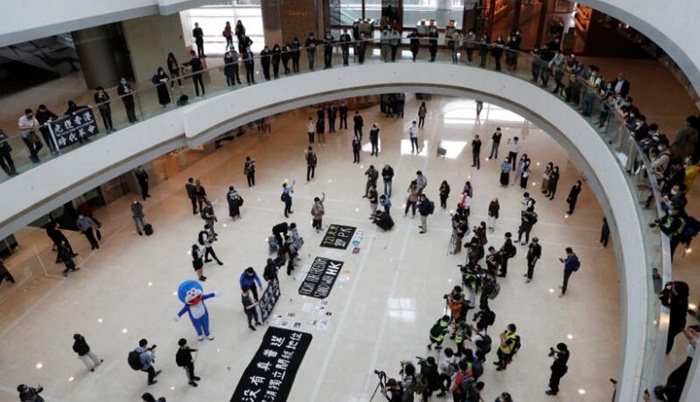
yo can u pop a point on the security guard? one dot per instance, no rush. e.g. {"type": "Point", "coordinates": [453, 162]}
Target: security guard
{"type": "Point", "coordinates": [438, 331]}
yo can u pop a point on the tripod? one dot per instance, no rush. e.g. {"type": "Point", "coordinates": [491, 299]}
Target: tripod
{"type": "Point", "coordinates": [380, 385]}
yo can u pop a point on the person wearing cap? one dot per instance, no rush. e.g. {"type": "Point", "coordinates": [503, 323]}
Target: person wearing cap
{"type": "Point", "coordinates": [373, 139]}
{"type": "Point", "coordinates": [393, 391]}
{"type": "Point", "coordinates": [81, 347]}
{"type": "Point", "coordinates": [558, 367]}
{"type": "Point", "coordinates": [413, 136]}
{"type": "Point", "coordinates": [248, 279]}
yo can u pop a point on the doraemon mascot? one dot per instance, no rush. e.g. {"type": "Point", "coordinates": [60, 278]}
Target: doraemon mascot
{"type": "Point", "coordinates": [192, 294]}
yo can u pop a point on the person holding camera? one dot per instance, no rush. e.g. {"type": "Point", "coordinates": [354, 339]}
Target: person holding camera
{"type": "Point", "coordinates": [30, 394]}
{"type": "Point", "coordinates": [508, 347]}
{"type": "Point", "coordinates": [571, 265]}
{"type": "Point", "coordinates": [408, 371]}
{"type": "Point", "coordinates": [393, 391]}
{"type": "Point", "coordinates": [207, 239]}
{"type": "Point", "coordinates": [148, 358]}
{"type": "Point", "coordinates": [438, 331]}
{"type": "Point", "coordinates": [558, 367]}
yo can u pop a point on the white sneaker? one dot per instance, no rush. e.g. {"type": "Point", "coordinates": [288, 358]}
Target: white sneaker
{"type": "Point", "coordinates": [210, 337]}
{"type": "Point", "coordinates": [200, 338]}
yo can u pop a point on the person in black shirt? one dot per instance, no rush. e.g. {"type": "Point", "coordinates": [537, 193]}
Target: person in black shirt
{"type": "Point", "coordinates": [343, 112]}
{"type": "Point", "coordinates": [358, 123]}
{"type": "Point", "coordinates": [534, 253]}
{"type": "Point", "coordinates": [393, 391]}
{"type": "Point", "coordinates": [196, 64]}
{"type": "Point", "coordinates": [142, 178]}
{"type": "Point", "coordinates": [476, 150]}
{"type": "Point", "coordinates": [345, 41]}
{"type": "Point", "coordinates": [558, 368]}
{"type": "Point", "coordinates": [124, 90]}
{"type": "Point", "coordinates": [6, 162]}
{"type": "Point", "coordinates": [198, 35]}
{"type": "Point", "coordinates": [183, 358]}
{"type": "Point", "coordinates": [276, 57]}
{"type": "Point", "coordinates": [81, 347]}
{"type": "Point", "coordinates": [310, 46]}
{"type": "Point", "coordinates": [101, 98]}
{"type": "Point", "coordinates": [44, 115]}
{"type": "Point", "coordinates": [265, 56]}
{"type": "Point", "coordinates": [249, 63]}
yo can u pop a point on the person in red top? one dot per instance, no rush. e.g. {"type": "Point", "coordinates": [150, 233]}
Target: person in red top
{"type": "Point", "coordinates": [457, 391]}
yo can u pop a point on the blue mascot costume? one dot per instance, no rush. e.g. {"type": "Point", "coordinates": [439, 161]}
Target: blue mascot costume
{"type": "Point", "coordinates": [192, 294]}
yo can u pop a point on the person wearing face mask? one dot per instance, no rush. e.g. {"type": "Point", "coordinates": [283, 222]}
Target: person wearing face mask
{"type": "Point", "coordinates": [310, 46]}
{"type": "Point", "coordinates": [101, 98]}
{"type": "Point", "coordinates": [672, 225]}
{"type": "Point", "coordinates": [124, 90]}
{"type": "Point", "coordinates": [593, 85]}
{"type": "Point", "coordinates": [44, 115]}
{"type": "Point", "coordinates": [74, 109]}
{"type": "Point", "coordinates": [675, 197]}
{"type": "Point", "coordinates": [28, 123]}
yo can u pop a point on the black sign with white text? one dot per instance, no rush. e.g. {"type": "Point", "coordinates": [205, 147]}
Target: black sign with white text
{"type": "Point", "coordinates": [73, 129]}
{"type": "Point", "coordinates": [270, 375]}
{"type": "Point", "coordinates": [269, 299]}
{"type": "Point", "coordinates": [321, 277]}
{"type": "Point", "coordinates": [338, 236]}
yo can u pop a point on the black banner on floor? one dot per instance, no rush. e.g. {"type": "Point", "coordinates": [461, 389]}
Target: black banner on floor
{"type": "Point", "coordinates": [338, 236]}
{"type": "Point", "coordinates": [73, 129]}
{"type": "Point", "coordinates": [269, 299]}
{"type": "Point", "coordinates": [321, 277]}
{"type": "Point", "coordinates": [270, 375]}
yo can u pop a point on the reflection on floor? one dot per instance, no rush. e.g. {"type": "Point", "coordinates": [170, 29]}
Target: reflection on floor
{"type": "Point", "coordinates": [382, 306]}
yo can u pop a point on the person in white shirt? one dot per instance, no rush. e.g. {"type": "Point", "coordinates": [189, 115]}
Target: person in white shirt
{"type": "Point", "coordinates": [513, 151]}
{"type": "Point", "coordinates": [413, 135]}
{"type": "Point", "coordinates": [448, 367]}
{"type": "Point", "coordinates": [28, 123]}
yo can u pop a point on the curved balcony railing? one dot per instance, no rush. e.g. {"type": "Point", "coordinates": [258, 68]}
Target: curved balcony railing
{"type": "Point", "coordinates": [620, 141]}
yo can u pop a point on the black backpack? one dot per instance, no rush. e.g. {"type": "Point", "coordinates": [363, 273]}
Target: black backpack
{"type": "Point", "coordinates": [134, 360]}
{"type": "Point", "coordinates": [512, 251]}
{"type": "Point", "coordinates": [431, 207]}
{"type": "Point", "coordinates": [200, 238]}
{"type": "Point", "coordinates": [489, 317]}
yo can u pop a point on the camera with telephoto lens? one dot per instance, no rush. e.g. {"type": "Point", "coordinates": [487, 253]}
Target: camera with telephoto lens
{"type": "Point", "coordinates": [552, 352]}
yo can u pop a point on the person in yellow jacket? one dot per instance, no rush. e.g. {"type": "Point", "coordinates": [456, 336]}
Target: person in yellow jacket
{"type": "Point", "coordinates": [509, 345]}
{"type": "Point", "coordinates": [438, 331]}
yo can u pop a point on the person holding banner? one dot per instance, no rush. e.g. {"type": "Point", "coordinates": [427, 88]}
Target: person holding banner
{"type": "Point", "coordinates": [43, 116]}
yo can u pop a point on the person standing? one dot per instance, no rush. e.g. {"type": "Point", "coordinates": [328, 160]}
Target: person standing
{"type": "Point", "coordinates": [198, 36]}
{"type": "Point", "coordinates": [287, 191]}
{"type": "Point", "coordinates": [160, 80]}
{"type": "Point", "coordinates": [184, 359]}
{"type": "Point", "coordinates": [412, 198]}
{"type": "Point", "coordinates": [422, 112]}
{"type": "Point", "coordinates": [476, 151]}
{"type": "Point", "coordinates": [174, 70]}
{"type": "Point", "coordinates": [207, 238]}
{"type": "Point", "coordinates": [328, 40]}
{"type": "Point", "coordinates": [138, 216]}
{"type": "Point", "coordinates": [495, 143]}
{"type": "Point", "coordinates": [513, 151]}
{"type": "Point", "coordinates": [195, 64]}
{"type": "Point", "coordinates": [310, 46]}
{"type": "Point", "coordinates": [28, 124]}
{"type": "Point", "coordinates": [373, 139]}
{"type": "Point", "coordinates": [250, 308]}
{"type": "Point", "coordinates": [228, 34]}
{"type": "Point", "coordinates": [295, 53]}
{"type": "Point", "coordinates": [674, 296]}
{"type": "Point", "coordinates": [343, 114]}
{"type": "Point", "coordinates": [413, 136]}
{"type": "Point", "coordinates": [372, 176]}
{"type": "Point", "coordinates": [494, 208]}
{"type": "Point", "coordinates": [571, 265]}
{"type": "Point", "coordinates": [311, 130]}
{"type": "Point", "coordinates": [234, 203]}
{"type": "Point", "coordinates": [81, 347]}
{"type": "Point", "coordinates": [6, 162]}
{"type": "Point", "coordinates": [147, 357]}
{"type": "Point", "coordinates": [373, 198]}
{"type": "Point", "coordinates": [248, 279]}
{"type": "Point", "coordinates": [124, 90]}
{"type": "Point", "coordinates": [208, 215]}
{"type": "Point", "coordinates": [534, 252]}
{"type": "Point", "coordinates": [552, 184]}
{"type": "Point", "coordinates": [358, 122]}
{"type": "Point", "coordinates": [558, 367]}
{"type": "Point", "coordinates": [198, 262]}
{"type": "Point", "coordinates": [507, 252]}
{"type": "Point", "coordinates": [545, 177]}
{"type": "Point", "coordinates": [444, 194]}
{"type": "Point", "coordinates": [43, 116]}
{"type": "Point", "coordinates": [479, 108]}
{"type": "Point", "coordinates": [345, 41]}
{"type": "Point", "coordinates": [573, 197]}
{"type": "Point", "coordinates": [332, 112]}
{"type": "Point", "coordinates": [317, 212]}
{"type": "Point", "coordinates": [4, 273]}
{"type": "Point", "coordinates": [192, 194]}
{"type": "Point", "coordinates": [388, 178]}
{"type": "Point", "coordinates": [265, 58]}
{"type": "Point", "coordinates": [101, 98]}
{"type": "Point", "coordinates": [356, 148]}
{"type": "Point", "coordinates": [424, 209]}
{"type": "Point", "coordinates": [87, 227]}
{"type": "Point", "coordinates": [311, 162]}
{"type": "Point", "coordinates": [57, 237]}
{"type": "Point", "coordinates": [421, 181]}
{"type": "Point", "coordinates": [507, 347]}
{"type": "Point", "coordinates": [249, 171]}
{"type": "Point", "coordinates": [30, 394]}
{"type": "Point", "coordinates": [65, 255]}
{"type": "Point", "coordinates": [142, 178]}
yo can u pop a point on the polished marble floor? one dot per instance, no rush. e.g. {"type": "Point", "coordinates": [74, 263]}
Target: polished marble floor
{"type": "Point", "coordinates": [381, 308]}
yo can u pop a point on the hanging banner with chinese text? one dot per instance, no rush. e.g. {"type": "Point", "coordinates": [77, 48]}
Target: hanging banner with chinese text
{"type": "Point", "coordinates": [338, 236]}
{"type": "Point", "coordinates": [270, 375]}
{"type": "Point", "coordinates": [269, 299]}
{"type": "Point", "coordinates": [320, 278]}
{"type": "Point", "coordinates": [73, 129]}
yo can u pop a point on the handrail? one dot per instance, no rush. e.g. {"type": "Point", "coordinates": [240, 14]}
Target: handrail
{"type": "Point", "coordinates": [145, 94]}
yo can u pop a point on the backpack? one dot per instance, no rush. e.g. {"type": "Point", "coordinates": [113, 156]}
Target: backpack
{"type": "Point", "coordinates": [436, 330]}
{"type": "Point", "coordinates": [494, 291]}
{"type": "Point", "coordinates": [467, 385]}
{"type": "Point", "coordinates": [419, 384]}
{"type": "Point", "coordinates": [533, 218]}
{"type": "Point", "coordinates": [578, 265]}
{"type": "Point", "coordinates": [431, 207]}
{"type": "Point", "coordinates": [516, 345]}
{"type": "Point", "coordinates": [134, 360]}
{"type": "Point", "coordinates": [489, 318]}
{"type": "Point", "coordinates": [478, 367]}
{"type": "Point", "coordinates": [512, 251]}
{"type": "Point", "coordinates": [200, 238]}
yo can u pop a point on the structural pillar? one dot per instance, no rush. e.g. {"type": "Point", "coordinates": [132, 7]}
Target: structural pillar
{"type": "Point", "coordinates": [96, 52]}
{"type": "Point", "coordinates": [542, 22]}
{"type": "Point", "coordinates": [272, 27]}
{"type": "Point", "coordinates": [296, 18]}
{"type": "Point", "coordinates": [517, 5]}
